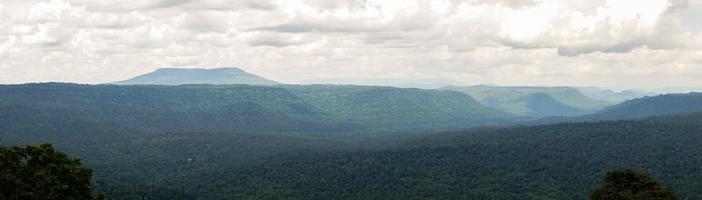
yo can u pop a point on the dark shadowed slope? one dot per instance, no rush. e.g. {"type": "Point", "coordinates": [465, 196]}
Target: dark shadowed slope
{"type": "Point", "coordinates": [179, 76]}
{"type": "Point", "coordinates": [560, 161]}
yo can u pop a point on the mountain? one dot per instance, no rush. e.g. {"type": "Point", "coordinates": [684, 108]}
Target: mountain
{"type": "Point", "coordinates": [390, 107]}
{"type": "Point", "coordinates": [236, 108]}
{"type": "Point", "coordinates": [323, 142]}
{"type": "Point", "coordinates": [152, 139]}
{"type": "Point", "coordinates": [649, 106]}
{"type": "Point", "coordinates": [52, 108]}
{"type": "Point", "coordinates": [539, 105]}
{"type": "Point", "coordinates": [565, 101]}
{"type": "Point", "coordinates": [180, 76]}
{"type": "Point", "coordinates": [611, 95]}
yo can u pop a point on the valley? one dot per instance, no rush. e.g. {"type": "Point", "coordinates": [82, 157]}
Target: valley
{"type": "Point", "coordinates": [211, 141]}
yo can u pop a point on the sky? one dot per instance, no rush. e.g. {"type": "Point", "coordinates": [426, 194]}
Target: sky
{"type": "Point", "coordinates": [606, 43]}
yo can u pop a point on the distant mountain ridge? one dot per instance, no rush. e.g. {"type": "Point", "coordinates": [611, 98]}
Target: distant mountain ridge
{"type": "Point", "coordinates": [243, 108]}
{"type": "Point", "coordinates": [181, 76]}
{"type": "Point", "coordinates": [541, 104]}
{"type": "Point", "coordinates": [533, 101]}
{"type": "Point", "coordinates": [667, 104]}
{"type": "Point", "coordinates": [398, 107]}
{"type": "Point", "coordinates": [640, 108]}
{"type": "Point", "coordinates": [611, 95]}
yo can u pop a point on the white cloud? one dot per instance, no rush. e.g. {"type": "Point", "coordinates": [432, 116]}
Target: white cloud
{"type": "Point", "coordinates": [551, 42]}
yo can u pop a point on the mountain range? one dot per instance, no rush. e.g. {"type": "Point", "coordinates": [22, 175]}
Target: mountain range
{"type": "Point", "coordinates": [342, 142]}
{"type": "Point", "coordinates": [187, 108]}
{"type": "Point", "coordinates": [667, 104]}
{"type": "Point", "coordinates": [613, 96]}
{"type": "Point", "coordinates": [533, 101]}
{"type": "Point", "coordinates": [206, 140]}
{"type": "Point", "coordinates": [519, 101]}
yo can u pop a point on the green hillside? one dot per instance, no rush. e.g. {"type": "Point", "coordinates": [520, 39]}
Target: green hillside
{"type": "Point", "coordinates": [41, 107]}
{"type": "Point", "coordinates": [257, 142]}
{"type": "Point", "coordinates": [650, 106]}
{"type": "Point", "coordinates": [389, 107]}
{"type": "Point", "coordinates": [157, 141]}
{"type": "Point", "coordinates": [35, 108]}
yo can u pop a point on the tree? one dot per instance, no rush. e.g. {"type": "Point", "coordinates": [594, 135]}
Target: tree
{"type": "Point", "coordinates": [631, 185]}
{"type": "Point", "coordinates": [40, 172]}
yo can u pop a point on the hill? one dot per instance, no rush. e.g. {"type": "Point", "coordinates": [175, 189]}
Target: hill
{"type": "Point", "coordinates": [666, 104]}
{"type": "Point", "coordinates": [565, 101]}
{"type": "Point", "coordinates": [540, 105]}
{"type": "Point", "coordinates": [203, 108]}
{"type": "Point", "coordinates": [389, 107]}
{"type": "Point", "coordinates": [153, 140]}
{"type": "Point", "coordinates": [180, 76]}
{"type": "Point", "coordinates": [613, 96]}
{"type": "Point", "coordinates": [59, 108]}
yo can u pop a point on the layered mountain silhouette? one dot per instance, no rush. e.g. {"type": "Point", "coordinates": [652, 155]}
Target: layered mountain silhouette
{"type": "Point", "coordinates": [540, 105]}
{"type": "Point", "coordinates": [650, 106]}
{"type": "Point", "coordinates": [534, 101]}
{"type": "Point", "coordinates": [238, 108]}
{"type": "Point", "coordinates": [180, 76]}
{"type": "Point", "coordinates": [611, 95]}
{"type": "Point", "coordinates": [322, 140]}
{"type": "Point", "coordinates": [644, 107]}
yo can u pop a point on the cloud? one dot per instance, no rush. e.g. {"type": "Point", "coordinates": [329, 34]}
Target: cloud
{"type": "Point", "coordinates": [280, 39]}
{"type": "Point", "coordinates": [471, 41]}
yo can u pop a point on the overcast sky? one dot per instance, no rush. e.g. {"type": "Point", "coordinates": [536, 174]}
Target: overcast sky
{"type": "Point", "coordinates": [612, 43]}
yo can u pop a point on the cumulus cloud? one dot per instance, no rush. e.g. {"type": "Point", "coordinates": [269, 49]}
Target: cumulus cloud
{"type": "Point", "coordinates": [550, 42]}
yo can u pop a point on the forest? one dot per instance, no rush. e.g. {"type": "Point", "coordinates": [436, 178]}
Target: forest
{"type": "Point", "coordinates": [327, 142]}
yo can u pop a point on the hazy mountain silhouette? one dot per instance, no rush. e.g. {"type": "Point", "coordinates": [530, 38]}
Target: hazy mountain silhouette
{"type": "Point", "coordinates": [532, 101]}
{"type": "Point", "coordinates": [180, 76]}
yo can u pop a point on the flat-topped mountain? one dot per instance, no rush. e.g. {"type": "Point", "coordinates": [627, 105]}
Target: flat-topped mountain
{"type": "Point", "coordinates": [180, 76]}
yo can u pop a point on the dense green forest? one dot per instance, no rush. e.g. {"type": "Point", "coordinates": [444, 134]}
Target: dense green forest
{"type": "Point", "coordinates": [35, 108]}
{"type": "Point", "coordinates": [337, 142]}
{"type": "Point", "coordinates": [393, 108]}
{"type": "Point", "coordinates": [561, 161]}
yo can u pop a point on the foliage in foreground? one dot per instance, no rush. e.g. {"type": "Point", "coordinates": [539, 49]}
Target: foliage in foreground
{"type": "Point", "coordinates": [40, 172]}
{"type": "Point", "coordinates": [631, 185]}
